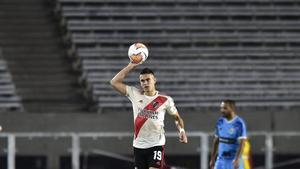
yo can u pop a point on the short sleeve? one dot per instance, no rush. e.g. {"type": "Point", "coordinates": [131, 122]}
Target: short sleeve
{"type": "Point", "coordinates": [216, 132]}
{"type": "Point", "coordinates": [243, 131]}
{"type": "Point", "coordinates": [130, 91]}
{"type": "Point", "coordinates": [171, 108]}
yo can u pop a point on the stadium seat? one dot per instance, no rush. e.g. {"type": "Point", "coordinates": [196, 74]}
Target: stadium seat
{"type": "Point", "coordinates": [208, 50]}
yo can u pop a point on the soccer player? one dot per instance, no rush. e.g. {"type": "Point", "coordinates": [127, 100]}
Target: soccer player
{"type": "Point", "coordinates": [230, 137]}
{"type": "Point", "coordinates": [149, 109]}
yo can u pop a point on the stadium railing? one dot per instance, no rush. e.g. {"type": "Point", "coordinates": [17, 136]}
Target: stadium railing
{"type": "Point", "coordinates": [76, 147]}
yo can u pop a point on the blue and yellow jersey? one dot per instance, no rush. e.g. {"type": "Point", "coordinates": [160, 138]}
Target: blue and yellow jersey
{"type": "Point", "coordinates": [229, 133]}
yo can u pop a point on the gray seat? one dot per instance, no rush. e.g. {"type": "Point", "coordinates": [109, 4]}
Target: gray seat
{"type": "Point", "coordinates": [202, 51]}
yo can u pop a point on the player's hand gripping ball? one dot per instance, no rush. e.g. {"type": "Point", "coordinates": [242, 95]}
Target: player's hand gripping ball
{"type": "Point", "coordinates": [138, 53]}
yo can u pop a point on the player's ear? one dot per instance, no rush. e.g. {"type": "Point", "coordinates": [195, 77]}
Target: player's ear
{"type": "Point", "coordinates": [154, 78]}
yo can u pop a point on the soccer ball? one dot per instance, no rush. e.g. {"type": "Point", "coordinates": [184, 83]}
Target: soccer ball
{"type": "Point", "coordinates": [138, 53]}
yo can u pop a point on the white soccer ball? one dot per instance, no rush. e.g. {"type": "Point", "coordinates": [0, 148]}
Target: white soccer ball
{"type": "Point", "coordinates": [138, 53]}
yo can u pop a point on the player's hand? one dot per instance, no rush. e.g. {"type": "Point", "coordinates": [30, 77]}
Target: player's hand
{"type": "Point", "coordinates": [133, 64]}
{"type": "Point", "coordinates": [235, 164]}
{"type": "Point", "coordinates": [212, 164]}
{"type": "Point", "coordinates": [183, 137]}
{"type": "Point", "coordinates": [136, 63]}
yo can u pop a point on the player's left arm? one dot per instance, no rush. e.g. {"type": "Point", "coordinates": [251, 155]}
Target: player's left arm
{"type": "Point", "coordinates": [242, 139]}
{"type": "Point", "coordinates": [239, 153]}
{"type": "Point", "coordinates": [180, 126]}
{"type": "Point", "coordinates": [172, 110]}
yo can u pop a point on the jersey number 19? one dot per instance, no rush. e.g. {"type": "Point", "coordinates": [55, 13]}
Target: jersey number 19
{"type": "Point", "coordinates": [157, 155]}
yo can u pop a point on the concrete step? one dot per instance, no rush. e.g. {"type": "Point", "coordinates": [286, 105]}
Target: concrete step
{"type": "Point", "coordinates": [40, 95]}
{"type": "Point", "coordinates": [45, 84]}
{"type": "Point", "coordinates": [34, 53]}
{"type": "Point", "coordinates": [7, 15]}
{"type": "Point", "coordinates": [53, 97]}
{"type": "Point", "coordinates": [30, 44]}
{"type": "Point", "coordinates": [27, 42]}
{"type": "Point", "coordinates": [50, 95]}
{"type": "Point", "coordinates": [49, 34]}
{"type": "Point", "coordinates": [25, 6]}
{"type": "Point", "coordinates": [31, 17]}
{"type": "Point", "coordinates": [32, 50]}
{"type": "Point", "coordinates": [32, 36]}
{"type": "Point", "coordinates": [39, 70]}
{"type": "Point", "coordinates": [22, 2]}
{"type": "Point", "coordinates": [43, 62]}
{"type": "Point", "coordinates": [41, 76]}
{"type": "Point", "coordinates": [54, 107]}
{"type": "Point", "coordinates": [32, 57]}
{"type": "Point", "coordinates": [14, 28]}
{"type": "Point", "coordinates": [61, 89]}
{"type": "Point", "coordinates": [24, 21]}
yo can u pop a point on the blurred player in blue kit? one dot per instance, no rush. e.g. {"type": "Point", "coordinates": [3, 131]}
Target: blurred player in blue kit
{"type": "Point", "coordinates": [230, 138]}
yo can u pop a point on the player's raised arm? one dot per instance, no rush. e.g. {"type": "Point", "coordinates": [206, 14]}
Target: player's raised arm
{"type": "Point", "coordinates": [117, 82]}
{"type": "Point", "coordinates": [137, 54]}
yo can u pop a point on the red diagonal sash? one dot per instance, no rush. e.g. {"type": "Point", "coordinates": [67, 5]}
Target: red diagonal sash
{"type": "Point", "coordinates": [152, 106]}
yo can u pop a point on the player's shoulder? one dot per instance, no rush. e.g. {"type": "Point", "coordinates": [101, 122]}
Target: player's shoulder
{"type": "Point", "coordinates": [135, 89]}
{"type": "Point", "coordinates": [220, 121]}
{"type": "Point", "coordinates": [239, 120]}
{"type": "Point", "coordinates": [163, 94]}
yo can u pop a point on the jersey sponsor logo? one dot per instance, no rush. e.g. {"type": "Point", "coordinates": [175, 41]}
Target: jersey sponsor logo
{"type": "Point", "coordinates": [150, 108]}
{"type": "Point", "coordinates": [227, 140]}
{"type": "Point", "coordinates": [228, 153]}
{"type": "Point", "coordinates": [231, 131]}
{"type": "Point", "coordinates": [148, 114]}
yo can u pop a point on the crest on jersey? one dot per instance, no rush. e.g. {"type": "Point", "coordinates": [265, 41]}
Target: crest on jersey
{"type": "Point", "coordinates": [141, 101]}
{"type": "Point", "coordinates": [155, 104]}
{"type": "Point", "coordinates": [231, 130]}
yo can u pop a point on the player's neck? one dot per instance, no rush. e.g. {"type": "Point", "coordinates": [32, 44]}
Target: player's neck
{"type": "Point", "coordinates": [230, 117]}
{"type": "Point", "coordinates": [150, 93]}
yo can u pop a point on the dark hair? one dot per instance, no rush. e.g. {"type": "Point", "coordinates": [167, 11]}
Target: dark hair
{"type": "Point", "coordinates": [231, 103]}
{"type": "Point", "coordinates": [146, 71]}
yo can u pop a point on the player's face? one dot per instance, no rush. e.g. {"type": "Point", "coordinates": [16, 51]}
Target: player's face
{"type": "Point", "coordinates": [225, 109]}
{"type": "Point", "coordinates": [147, 82]}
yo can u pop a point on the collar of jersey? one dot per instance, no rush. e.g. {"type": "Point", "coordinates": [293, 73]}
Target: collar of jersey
{"type": "Point", "coordinates": [232, 120]}
{"type": "Point", "coordinates": [152, 96]}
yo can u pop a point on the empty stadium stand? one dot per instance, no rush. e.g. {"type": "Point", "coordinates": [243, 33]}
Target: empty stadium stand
{"type": "Point", "coordinates": [9, 100]}
{"type": "Point", "coordinates": [202, 50]}
{"type": "Point", "coordinates": [34, 53]}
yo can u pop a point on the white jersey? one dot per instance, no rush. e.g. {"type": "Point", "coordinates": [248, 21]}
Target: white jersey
{"type": "Point", "coordinates": [149, 113]}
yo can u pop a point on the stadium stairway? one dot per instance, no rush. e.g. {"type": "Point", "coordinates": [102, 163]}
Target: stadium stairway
{"type": "Point", "coordinates": [9, 99]}
{"type": "Point", "coordinates": [35, 55]}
